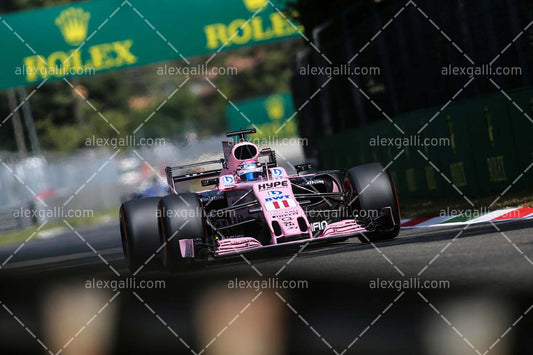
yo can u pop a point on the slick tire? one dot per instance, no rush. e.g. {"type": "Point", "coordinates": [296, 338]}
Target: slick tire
{"type": "Point", "coordinates": [140, 233]}
{"type": "Point", "coordinates": [180, 217]}
{"type": "Point", "coordinates": [372, 190]}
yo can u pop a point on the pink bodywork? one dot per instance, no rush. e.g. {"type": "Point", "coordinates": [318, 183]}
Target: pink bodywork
{"type": "Point", "coordinates": [235, 245]}
{"type": "Point", "coordinates": [277, 202]}
{"type": "Point", "coordinates": [342, 228]}
{"type": "Point", "coordinates": [279, 205]}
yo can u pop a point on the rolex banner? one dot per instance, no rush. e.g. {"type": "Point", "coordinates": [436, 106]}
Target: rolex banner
{"type": "Point", "coordinates": [96, 36]}
{"type": "Point", "coordinates": [272, 116]}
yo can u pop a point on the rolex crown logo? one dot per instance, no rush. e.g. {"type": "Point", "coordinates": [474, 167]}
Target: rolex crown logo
{"type": "Point", "coordinates": [275, 108]}
{"type": "Point", "coordinates": [73, 23]}
{"type": "Point", "coordinates": [255, 5]}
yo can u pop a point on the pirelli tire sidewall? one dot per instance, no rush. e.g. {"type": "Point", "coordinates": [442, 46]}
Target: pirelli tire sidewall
{"type": "Point", "coordinates": [181, 216]}
{"type": "Point", "coordinates": [139, 232]}
{"type": "Point", "coordinates": [374, 189]}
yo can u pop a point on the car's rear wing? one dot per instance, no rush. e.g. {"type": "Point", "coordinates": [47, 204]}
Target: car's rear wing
{"type": "Point", "coordinates": [173, 179]}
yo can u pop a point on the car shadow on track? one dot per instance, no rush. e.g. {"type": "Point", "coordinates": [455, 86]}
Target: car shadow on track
{"type": "Point", "coordinates": [406, 237]}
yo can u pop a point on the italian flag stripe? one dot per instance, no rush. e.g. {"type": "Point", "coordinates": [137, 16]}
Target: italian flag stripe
{"type": "Point", "coordinates": [519, 213]}
{"type": "Point", "coordinates": [415, 221]}
{"type": "Point", "coordinates": [459, 218]}
{"type": "Point", "coordinates": [498, 215]}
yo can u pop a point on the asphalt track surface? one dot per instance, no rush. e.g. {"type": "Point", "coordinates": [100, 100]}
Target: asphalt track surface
{"type": "Point", "coordinates": [472, 256]}
{"type": "Point", "coordinates": [478, 262]}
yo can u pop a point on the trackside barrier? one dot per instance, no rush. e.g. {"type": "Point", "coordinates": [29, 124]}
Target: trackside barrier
{"type": "Point", "coordinates": [10, 220]}
{"type": "Point", "coordinates": [486, 144]}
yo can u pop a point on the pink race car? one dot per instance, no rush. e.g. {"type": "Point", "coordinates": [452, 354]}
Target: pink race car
{"type": "Point", "coordinates": [254, 204]}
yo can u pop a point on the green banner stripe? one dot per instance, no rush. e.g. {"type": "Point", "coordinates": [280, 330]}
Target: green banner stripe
{"type": "Point", "coordinates": [273, 116]}
{"type": "Point", "coordinates": [101, 35]}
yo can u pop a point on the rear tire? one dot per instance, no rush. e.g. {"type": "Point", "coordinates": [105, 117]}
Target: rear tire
{"type": "Point", "coordinates": [180, 217]}
{"type": "Point", "coordinates": [375, 191]}
{"type": "Point", "coordinates": [139, 232]}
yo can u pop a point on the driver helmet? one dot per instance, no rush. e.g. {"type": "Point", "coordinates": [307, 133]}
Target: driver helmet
{"type": "Point", "coordinates": [249, 171]}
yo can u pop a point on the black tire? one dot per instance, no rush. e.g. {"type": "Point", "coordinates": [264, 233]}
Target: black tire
{"type": "Point", "coordinates": [375, 191]}
{"type": "Point", "coordinates": [139, 232]}
{"type": "Point", "coordinates": [180, 217]}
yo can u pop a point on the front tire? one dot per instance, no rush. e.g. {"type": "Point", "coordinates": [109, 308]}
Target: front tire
{"type": "Point", "coordinates": [139, 232]}
{"type": "Point", "coordinates": [181, 217]}
{"type": "Point", "coordinates": [373, 189]}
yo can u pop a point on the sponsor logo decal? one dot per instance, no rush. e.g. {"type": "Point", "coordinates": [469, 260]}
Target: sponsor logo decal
{"type": "Point", "coordinates": [73, 23]}
{"type": "Point", "coordinates": [277, 198]}
{"type": "Point", "coordinates": [274, 107]}
{"type": "Point", "coordinates": [314, 182]}
{"type": "Point", "coordinates": [285, 214]}
{"type": "Point", "coordinates": [255, 5]}
{"type": "Point", "coordinates": [318, 226]}
{"type": "Point", "coordinates": [227, 181]}
{"type": "Point", "coordinates": [272, 185]}
{"type": "Point", "coordinates": [276, 172]}
{"type": "Point", "coordinates": [257, 28]}
{"type": "Point", "coordinates": [276, 205]}
{"type": "Point", "coordinates": [288, 222]}
{"type": "Point", "coordinates": [274, 193]}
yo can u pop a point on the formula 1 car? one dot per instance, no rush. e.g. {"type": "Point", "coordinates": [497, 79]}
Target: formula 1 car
{"type": "Point", "coordinates": [254, 204]}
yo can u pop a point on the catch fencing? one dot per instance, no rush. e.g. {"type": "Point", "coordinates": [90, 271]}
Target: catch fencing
{"type": "Point", "coordinates": [59, 186]}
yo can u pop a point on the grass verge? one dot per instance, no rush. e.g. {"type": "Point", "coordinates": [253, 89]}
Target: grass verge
{"type": "Point", "coordinates": [18, 236]}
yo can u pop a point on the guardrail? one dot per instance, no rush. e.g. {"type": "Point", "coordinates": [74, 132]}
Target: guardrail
{"type": "Point", "coordinates": [9, 220]}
